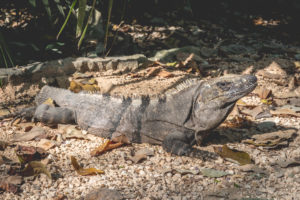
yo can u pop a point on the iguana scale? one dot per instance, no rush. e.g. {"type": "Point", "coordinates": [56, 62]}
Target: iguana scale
{"type": "Point", "coordinates": [177, 120]}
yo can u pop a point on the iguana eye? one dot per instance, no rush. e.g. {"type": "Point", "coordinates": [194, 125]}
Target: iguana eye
{"type": "Point", "coordinates": [224, 85]}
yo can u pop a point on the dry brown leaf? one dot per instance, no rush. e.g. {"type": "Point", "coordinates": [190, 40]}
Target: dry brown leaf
{"type": "Point", "coordinates": [248, 70]}
{"type": "Point", "coordinates": [290, 162]}
{"type": "Point", "coordinates": [165, 74]}
{"type": "Point", "coordinates": [273, 139]}
{"type": "Point", "coordinates": [138, 158]}
{"type": "Point", "coordinates": [153, 71]}
{"type": "Point", "coordinates": [141, 155]}
{"type": "Point", "coordinates": [26, 154]}
{"type": "Point", "coordinates": [34, 168]}
{"type": "Point", "coordinates": [35, 133]}
{"type": "Point", "coordinates": [106, 146]}
{"type": "Point", "coordinates": [46, 144]}
{"type": "Point", "coordinates": [75, 87]}
{"type": "Point", "coordinates": [71, 131]}
{"type": "Point", "coordinates": [120, 138]}
{"type": "Point", "coordinates": [84, 172]}
{"type": "Point", "coordinates": [10, 183]}
{"type": "Point", "coordinates": [297, 64]}
{"type": "Point", "coordinates": [253, 112]}
{"type": "Point", "coordinates": [3, 145]}
{"type": "Point", "coordinates": [28, 128]}
{"type": "Point", "coordinates": [252, 168]}
{"type": "Point", "coordinates": [263, 92]}
{"type": "Point", "coordinates": [241, 103]}
{"type": "Point", "coordinates": [241, 157]}
{"type": "Point", "coordinates": [188, 59]}
{"type": "Point", "coordinates": [285, 112]}
{"type": "Point", "coordinates": [234, 122]}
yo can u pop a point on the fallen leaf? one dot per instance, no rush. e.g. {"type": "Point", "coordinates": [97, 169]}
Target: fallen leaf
{"type": "Point", "coordinates": [165, 74]}
{"type": "Point", "coordinates": [141, 155]}
{"type": "Point", "coordinates": [252, 168]}
{"type": "Point", "coordinates": [285, 112]}
{"type": "Point", "coordinates": [82, 171]}
{"type": "Point", "coordinates": [70, 131]}
{"type": "Point", "coordinates": [182, 171]}
{"type": "Point", "coordinates": [273, 139]}
{"type": "Point", "coordinates": [234, 122]}
{"type": "Point", "coordinates": [153, 71]}
{"type": "Point", "coordinates": [4, 160]}
{"type": "Point", "coordinates": [253, 112]}
{"type": "Point", "coordinates": [248, 70]}
{"type": "Point", "coordinates": [263, 92]}
{"type": "Point", "coordinates": [75, 87]}
{"type": "Point", "coordinates": [120, 138]}
{"type": "Point", "coordinates": [240, 102]}
{"type": "Point", "coordinates": [106, 146]}
{"type": "Point", "coordinates": [34, 133]}
{"type": "Point", "coordinates": [50, 102]}
{"type": "Point", "coordinates": [28, 128]}
{"type": "Point", "coordinates": [46, 144]}
{"type": "Point", "coordinates": [241, 157]}
{"type": "Point", "coordinates": [297, 64]}
{"type": "Point", "coordinates": [3, 145]}
{"type": "Point", "coordinates": [11, 183]}
{"type": "Point", "coordinates": [104, 194]}
{"type": "Point", "coordinates": [212, 173]}
{"type": "Point", "coordinates": [26, 154]}
{"type": "Point", "coordinates": [291, 162]}
{"type": "Point", "coordinates": [34, 168]}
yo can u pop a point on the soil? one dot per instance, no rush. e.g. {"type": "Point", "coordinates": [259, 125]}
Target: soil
{"type": "Point", "coordinates": [261, 50]}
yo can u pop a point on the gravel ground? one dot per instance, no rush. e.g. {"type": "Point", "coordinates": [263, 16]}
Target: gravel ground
{"type": "Point", "coordinates": [156, 177]}
{"type": "Point", "coordinates": [164, 176]}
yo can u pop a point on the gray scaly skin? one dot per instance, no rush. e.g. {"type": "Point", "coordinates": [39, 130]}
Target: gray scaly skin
{"type": "Point", "coordinates": [176, 121]}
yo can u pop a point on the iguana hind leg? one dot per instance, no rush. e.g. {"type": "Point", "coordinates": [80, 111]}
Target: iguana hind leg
{"type": "Point", "coordinates": [54, 115]}
{"type": "Point", "coordinates": [178, 143]}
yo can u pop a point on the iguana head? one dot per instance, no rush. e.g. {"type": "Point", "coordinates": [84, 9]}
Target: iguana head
{"type": "Point", "coordinates": [215, 99]}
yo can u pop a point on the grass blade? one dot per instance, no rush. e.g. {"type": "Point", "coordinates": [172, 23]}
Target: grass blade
{"type": "Point", "coordinates": [59, 7]}
{"type": "Point", "coordinates": [4, 51]}
{"type": "Point", "coordinates": [33, 2]}
{"type": "Point", "coordinates": [68, 16]}
{"type": "Point", "coordinates": [47, 7]}
{"type": "Point", "coordinates": [110, 3]}
{"type": "Point", "coordinates": [4, 59]}
{"type": "Point", "coordinates": [86, 26]}
{"type": "Point", "coordinates": [81, 15]}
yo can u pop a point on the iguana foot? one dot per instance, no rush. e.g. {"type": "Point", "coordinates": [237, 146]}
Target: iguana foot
{"type": "Point", "coordinates": [175, 144]}
{"type": "Point", "coordinates": [25, 113]}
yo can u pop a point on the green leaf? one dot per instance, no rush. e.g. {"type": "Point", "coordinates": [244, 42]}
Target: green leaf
{"type": "Point", "coordinates": [241, 157]}
{"type": "Point", "coordinates": [60, 7]}
{"type": "Point", "coordinates": [68, 16]}
{"type": "Point", "coordinates": [110, 4]}
{"type": "Point", "coordinates": [4, 51]}
{"type": "Point", "coordinates": [86, 26]}
{"type": "Point", "coordinates": [34, 168]}
{"type": "Point", "coordinates": [33, 2]}
{"type": "Point", "coordinates": [47, 7]}
{"type": "Point", "coordinates": [81, 15]}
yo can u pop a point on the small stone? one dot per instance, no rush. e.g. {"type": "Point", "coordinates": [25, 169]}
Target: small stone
{"type": "Point", "coordinates": [104, 194]}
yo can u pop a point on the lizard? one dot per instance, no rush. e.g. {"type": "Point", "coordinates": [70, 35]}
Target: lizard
{"type": "Point", "coordinates": [176, 120]}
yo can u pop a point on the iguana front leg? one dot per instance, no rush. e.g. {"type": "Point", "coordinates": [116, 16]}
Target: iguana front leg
{"type": "Point", "coordinates": [178, 143]}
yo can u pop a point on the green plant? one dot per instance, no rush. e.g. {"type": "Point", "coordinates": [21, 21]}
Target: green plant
{"type": "Point", "coordinates": [5, 52]}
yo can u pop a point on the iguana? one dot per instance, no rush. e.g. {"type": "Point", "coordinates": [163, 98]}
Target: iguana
{"type": "Point", "coordinates": [176, 120]}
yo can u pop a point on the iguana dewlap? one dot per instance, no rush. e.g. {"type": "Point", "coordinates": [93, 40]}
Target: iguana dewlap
{"type": "Point", "coordinates": [174, 120]}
